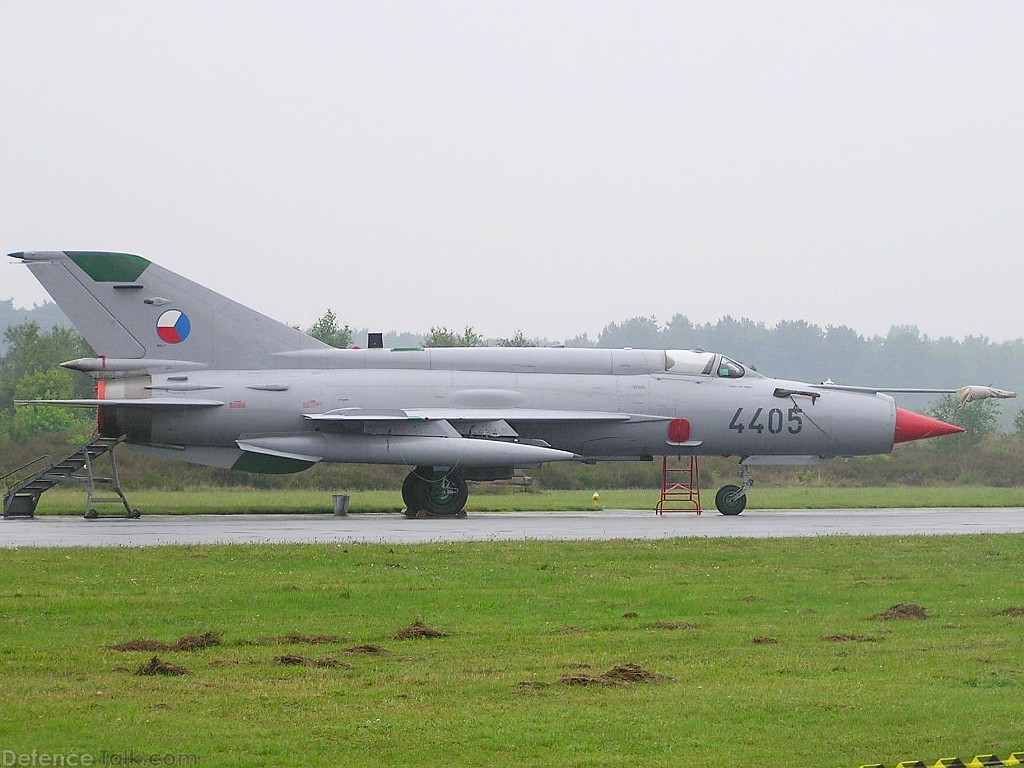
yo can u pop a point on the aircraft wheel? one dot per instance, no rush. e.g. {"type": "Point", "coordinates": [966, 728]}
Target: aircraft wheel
{"type": "Point", "coordinates": [445, 494]}
{"type": "Point", "coordinates": [412, 492]}
{"type": "Point", "coordinates": [728, 502]}
{"type": "Point", "coordinates": [436, 492]}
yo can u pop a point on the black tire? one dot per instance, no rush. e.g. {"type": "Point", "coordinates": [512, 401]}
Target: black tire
{"type": "Point", "coordinates": [445, 494]}
{"type": "Point", "coordinates": [728, 502]}
{"type": "Point", "coordinates": [413, 490]}
{"type": "Point", "coordinates": [91, 514]}
{"type": "Point", "coordinates": [439, 493]}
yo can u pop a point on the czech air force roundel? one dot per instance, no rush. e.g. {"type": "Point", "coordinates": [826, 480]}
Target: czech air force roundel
{"type": "Point", "coordinates": [173, 326]}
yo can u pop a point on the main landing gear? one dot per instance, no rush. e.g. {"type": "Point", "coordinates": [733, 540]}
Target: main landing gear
{"type": "Point", "coordinates": [732, 499]}
{"type": "Point", "coordinates": [434, 493]}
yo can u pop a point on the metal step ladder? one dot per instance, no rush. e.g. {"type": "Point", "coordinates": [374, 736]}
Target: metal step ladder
{"type": "Point", "coordinates": [680, 487]}
{"type": "Point", "coordinates": [22, 496]}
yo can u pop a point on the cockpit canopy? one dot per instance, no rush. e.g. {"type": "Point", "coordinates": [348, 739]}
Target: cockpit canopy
{"type": "Point", "coordinates": [697, 362]}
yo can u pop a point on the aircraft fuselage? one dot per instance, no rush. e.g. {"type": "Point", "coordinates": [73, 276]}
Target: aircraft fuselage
{"type": "Point", "coordinates": [659, 412]}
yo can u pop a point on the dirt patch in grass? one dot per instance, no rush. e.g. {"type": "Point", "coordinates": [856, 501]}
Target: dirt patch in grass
{"type": "Point", "coordinates": [157, 666]}
{"type": "Point", "coordinates": [1013, 610]}
{"type": "Point", "coordinates": [677, 625]}
{"type": "Point", "coordinates": [291, 660]}
{"type": "Point", "coordinates": [634, 673]}
{"type": "Point", "coordinates": [846, 637]}
{"type": "Point", "coordinates": [902, 611]}
{"type": "Point", "coordinates": [764, 640]}
{"type": "Point", "coordinates": [622, 674]}
{"type": "Point", "coordinates": [186, 643]}
{"type": "Point", "coordinates": [141, 645]}
{"type": "Point", "coordinates": [368, 648]}
{"type": "Point", "coordinates": [531, 686]}
{"type": "Point", "coordinates": [197, 642]}
{"type": "Point", "coordinates": [418, 629]}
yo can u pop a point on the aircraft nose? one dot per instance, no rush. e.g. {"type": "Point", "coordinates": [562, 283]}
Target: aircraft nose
{"type": "Point", "coordinates": [914, 426]}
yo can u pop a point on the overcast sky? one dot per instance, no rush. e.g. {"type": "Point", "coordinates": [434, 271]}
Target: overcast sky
{"type": "Point", "coordinates": [549, 167]}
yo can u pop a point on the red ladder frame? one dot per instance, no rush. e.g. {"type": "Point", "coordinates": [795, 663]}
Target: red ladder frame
{"type": "Point", "coordinates": [680, 486]}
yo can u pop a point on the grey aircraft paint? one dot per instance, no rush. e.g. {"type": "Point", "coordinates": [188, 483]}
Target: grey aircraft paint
{"type": "Point", "coordinates": [188, 374]}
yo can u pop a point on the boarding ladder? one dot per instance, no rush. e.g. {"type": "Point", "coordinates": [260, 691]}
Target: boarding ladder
{"type": "Point", "coordinates": [22, 496]}
{"type": "Point", "coordinates": [680, 489]}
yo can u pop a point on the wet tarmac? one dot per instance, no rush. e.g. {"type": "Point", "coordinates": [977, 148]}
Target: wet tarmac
{"type": "Point", "coordinates": [158, 530]}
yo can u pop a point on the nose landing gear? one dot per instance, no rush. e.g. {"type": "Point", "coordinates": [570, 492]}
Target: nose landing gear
{"type": "Point", "coordinates": [732, 499]}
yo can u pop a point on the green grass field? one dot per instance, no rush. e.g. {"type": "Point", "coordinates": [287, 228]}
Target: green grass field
{"type": "Point", "coordinates": [774, 649]}
{"type": "Point", "coordinates": [234, 501]}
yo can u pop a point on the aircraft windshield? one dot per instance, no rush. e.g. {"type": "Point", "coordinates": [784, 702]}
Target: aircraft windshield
{"type": "Point", "coordinates": [692, 362]}
{"type": "Point", "coordinates": [729, 369]}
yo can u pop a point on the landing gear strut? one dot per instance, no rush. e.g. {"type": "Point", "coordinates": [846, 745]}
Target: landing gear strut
{"type": "Point", "coordinates": [732, 499]}
{"type": "Point", "coordinates": [438, 492]}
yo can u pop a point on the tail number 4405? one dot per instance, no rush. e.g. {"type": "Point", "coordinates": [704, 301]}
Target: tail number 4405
{"type": "Point", "coordinates": [773, 421]}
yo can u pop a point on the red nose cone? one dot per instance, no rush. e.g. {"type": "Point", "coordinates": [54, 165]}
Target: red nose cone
{"type": "Point", "coordinates": [914, 426]}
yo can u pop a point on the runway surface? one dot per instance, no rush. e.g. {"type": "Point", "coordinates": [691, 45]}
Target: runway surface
{"type": "Point", "coordinates": [157, 530]}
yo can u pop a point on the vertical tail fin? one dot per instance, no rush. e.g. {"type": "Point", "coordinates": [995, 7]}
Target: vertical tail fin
{"type": "Point", "coordinates": [128, 307]}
